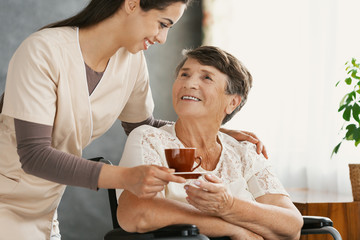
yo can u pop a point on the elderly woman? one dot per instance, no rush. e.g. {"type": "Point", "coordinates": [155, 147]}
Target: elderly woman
{"type": "Point", "coordinates": [239, 196]}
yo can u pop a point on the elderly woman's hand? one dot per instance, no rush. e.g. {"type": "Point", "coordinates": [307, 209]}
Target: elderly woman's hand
{"type": "Point", "coordinates": [247, 136]}
{"type": "Point", "coordinates": [210, 197]}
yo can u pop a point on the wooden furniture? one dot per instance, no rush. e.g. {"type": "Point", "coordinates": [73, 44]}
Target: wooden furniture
{"type": "Point", "coordinates": [340, 208]}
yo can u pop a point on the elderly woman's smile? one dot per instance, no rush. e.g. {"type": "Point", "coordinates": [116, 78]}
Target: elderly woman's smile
{"type": "Point", "coordinates": [190, 98]}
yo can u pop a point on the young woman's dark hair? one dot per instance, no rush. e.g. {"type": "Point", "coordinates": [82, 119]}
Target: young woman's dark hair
{"type": "Point", "coordinates": [98, 10]}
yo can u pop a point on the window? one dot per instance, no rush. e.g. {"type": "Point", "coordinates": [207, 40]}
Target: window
{"type": "Point", "coordinates": [296, 51]}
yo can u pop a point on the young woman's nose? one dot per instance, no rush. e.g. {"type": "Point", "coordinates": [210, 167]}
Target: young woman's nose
{"type": "Point", "coordinates": [162, 35]}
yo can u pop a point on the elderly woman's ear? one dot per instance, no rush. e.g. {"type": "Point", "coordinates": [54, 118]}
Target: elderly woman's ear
{"type": "Point", "coordinates": [235, 101]}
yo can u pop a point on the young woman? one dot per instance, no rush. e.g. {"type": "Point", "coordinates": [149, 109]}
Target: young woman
{"type": "Point", "coordinates": [66, 85]}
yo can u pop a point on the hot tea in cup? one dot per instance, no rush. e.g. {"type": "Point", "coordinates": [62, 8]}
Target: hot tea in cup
{"type": "Point", "coordinates": [182, 159]}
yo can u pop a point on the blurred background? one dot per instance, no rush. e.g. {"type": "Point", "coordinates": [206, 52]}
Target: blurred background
{"type": "Point", "coordinates": [295, 50]}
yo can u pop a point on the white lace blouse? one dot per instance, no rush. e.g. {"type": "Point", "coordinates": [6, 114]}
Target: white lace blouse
{"type": "Point", "coordinates": [247, 174]}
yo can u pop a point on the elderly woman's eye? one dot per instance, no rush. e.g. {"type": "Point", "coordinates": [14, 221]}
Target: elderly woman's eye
{"type": "Point", "coordinates": [183, 74]}
{"type": "Point", "coordinates": [208, 78]}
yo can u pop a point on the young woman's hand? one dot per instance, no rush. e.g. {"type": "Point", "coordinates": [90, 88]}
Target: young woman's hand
{"type": "Point", "coordinates": [146, 181]}
{"type": "Point", "coordinates": [247, 136]}
{"type": "Point", "coordinates": [210, 196]}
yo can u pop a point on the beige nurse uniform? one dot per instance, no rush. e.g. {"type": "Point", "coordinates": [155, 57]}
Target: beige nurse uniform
{"type": "Point", "coordinates": [46, 84]}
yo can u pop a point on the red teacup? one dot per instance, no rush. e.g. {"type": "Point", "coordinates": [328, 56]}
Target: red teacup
{"type": "Point", "coordinates": [182, 159]}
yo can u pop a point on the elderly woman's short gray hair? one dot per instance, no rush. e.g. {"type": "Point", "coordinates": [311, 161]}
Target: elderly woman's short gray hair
{"type": "Point", "coordinates": [239, 78]}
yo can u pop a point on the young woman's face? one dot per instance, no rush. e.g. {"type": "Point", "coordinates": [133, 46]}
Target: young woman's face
{"type": "Point", "coordinates": [146, 28]}
{"type": "Point", "coordinates": [199, 93]}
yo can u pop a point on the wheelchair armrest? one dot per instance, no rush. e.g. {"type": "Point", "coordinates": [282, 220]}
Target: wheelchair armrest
{"type": "Point", "coordinates": [120, 234]}
{"type": "Point", "coordinates": [316, 222]}
{"type": "Point", "coordinates": [178, 231]}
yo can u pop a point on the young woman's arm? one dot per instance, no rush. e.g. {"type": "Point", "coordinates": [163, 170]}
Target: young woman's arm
{"type": "Point", "coordinates": [38, 158]}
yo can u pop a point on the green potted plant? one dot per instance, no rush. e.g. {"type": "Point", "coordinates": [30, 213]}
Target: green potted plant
{"type": "Point", "coordinates": [350, 106]}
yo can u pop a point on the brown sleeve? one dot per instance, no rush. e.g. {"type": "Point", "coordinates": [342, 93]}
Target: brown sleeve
{"type": "Point", "coordinates": [38, 158]}
{"type": "Point", "coordinates": [128, 127]}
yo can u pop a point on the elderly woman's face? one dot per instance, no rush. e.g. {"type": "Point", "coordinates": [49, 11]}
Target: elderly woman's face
{"type": "Point", "coordinates": [199, 92]}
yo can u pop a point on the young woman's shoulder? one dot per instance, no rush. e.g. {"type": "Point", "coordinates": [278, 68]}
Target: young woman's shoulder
{"type": "Point", "coordinates": [51, 36]}
{"type": "Point", "coordinates": [46, 43]}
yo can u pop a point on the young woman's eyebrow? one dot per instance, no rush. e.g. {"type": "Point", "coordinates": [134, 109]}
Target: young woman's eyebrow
{"type": "Point", "coordinates": [171, 22]}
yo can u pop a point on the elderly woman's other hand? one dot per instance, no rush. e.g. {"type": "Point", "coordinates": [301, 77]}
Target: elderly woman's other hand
{"type": "Point", "coordinates": [247, 136]}
{"type": "Point", "coordinates": [211, 196]}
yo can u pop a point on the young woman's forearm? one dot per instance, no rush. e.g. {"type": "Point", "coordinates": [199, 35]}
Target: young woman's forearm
{"type": "Point", "coordinates": [39, 158]}
{"type": "Point", "coordinates": [111, 177]}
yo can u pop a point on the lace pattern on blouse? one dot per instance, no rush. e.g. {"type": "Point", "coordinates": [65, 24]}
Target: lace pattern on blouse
{"type": "Point", "coordinates": [238, 161]}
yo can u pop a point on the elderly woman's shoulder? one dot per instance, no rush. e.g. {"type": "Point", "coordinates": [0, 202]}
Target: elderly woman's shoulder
{"type": "Point", "coordinates": [150, 131]}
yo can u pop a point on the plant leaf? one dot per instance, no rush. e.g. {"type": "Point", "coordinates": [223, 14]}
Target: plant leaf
{"type": "Point", "coordinates": [347, 113]}
{"type": "Point", "coordinates": [343, 100]}
{"type": "Point", "coordinates": [353, 74]}
{"type": "Point", "coordinates": [351, 129]}
{"type": "Point", "coordinates": [353, 61]}
{"type": "Point", "coordinates": [357, 143]}
{"type": "Point", "coordinates": [336, 149]}
{"type": "Point", "coordinates": [356, 134]}
{"type": "Point", "coordinates": [356, 112]}
{"type": "Point", "coordinates": [337, 84]}
{"type": "Point", "coordinates": [342, 107]}
{"type": "Point", "coordinates": [348, 81]}
{"type": "Point", "coordinates": [352, 96]}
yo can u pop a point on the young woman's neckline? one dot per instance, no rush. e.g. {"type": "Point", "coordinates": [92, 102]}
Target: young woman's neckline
{"type": "Point", "coordinates": [85, 65]}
